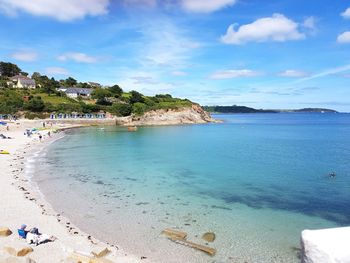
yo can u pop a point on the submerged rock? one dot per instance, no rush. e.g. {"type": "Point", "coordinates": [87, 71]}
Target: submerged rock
{"type": "Point", "coordinates": [209, 236]}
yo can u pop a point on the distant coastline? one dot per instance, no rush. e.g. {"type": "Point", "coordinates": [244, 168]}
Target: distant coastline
{"type": "Point", "coordinates": [245, 109]}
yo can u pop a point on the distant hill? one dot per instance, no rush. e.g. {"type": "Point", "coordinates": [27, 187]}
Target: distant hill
{"type": "Point", "coordinates": [244, 109]}
{"type": "Point", "coordinates": [235, 109]}
{"type": "Point", "coordinates": [319, 110]}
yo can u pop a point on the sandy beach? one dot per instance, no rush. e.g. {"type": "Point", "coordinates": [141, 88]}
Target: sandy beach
{"type": "Point", "coordinates": [21, 203]}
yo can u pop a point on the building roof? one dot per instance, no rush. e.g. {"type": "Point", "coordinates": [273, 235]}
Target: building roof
{"type": "Point", "coordinates": [24, 79]}
{"type": "Point", "coordinates": [79, 91]}
{"type": "Point", "coordinates": [19, 77]}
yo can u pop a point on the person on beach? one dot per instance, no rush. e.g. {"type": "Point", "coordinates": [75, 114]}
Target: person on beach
{"type": "Point", "coordinates": [22, 232]}
{"type": "Point", "coordinates": [36, 238]}
{"type": "Point", "coordinates": [49, 134]}
{"type": "Point", "coordinates": [40, 137]}
{"type": "Point", "coordinates": [7, 128]}
{"type": "Point", "coordinates": [28, 133]}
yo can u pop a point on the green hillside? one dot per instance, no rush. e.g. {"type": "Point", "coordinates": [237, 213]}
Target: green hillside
{"type": "Point", "coordinates": [45, 98]}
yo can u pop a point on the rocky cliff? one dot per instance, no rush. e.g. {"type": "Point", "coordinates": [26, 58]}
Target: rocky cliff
{"type": "Point", "coordinates": [187, 115]}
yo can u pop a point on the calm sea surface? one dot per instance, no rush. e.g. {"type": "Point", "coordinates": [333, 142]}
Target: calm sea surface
{"type": "Point", "coordinates": [256, 181]}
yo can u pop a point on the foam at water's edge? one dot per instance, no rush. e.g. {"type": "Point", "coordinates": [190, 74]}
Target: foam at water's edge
{"type": "Point", "coordinates": [31, 160]}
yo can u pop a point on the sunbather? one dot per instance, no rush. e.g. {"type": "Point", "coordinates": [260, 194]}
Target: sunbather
{"type": "Point", "coordinates": [34, 237]}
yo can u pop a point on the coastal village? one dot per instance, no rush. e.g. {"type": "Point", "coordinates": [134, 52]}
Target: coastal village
{"type": "Point", "coordinates": [42, 97]}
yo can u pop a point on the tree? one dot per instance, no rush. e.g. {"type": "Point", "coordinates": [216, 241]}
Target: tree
{"type": "Point", "coordinates": [150, 102]}
{"type": "Point", "coordinates": [70, 82]}
{"type": "Point", "coordinates": [100, 94]}
{"type": "Point", "coordinates": [35, 104]}
{"type": "Point", "coordinates": [10, 102]}
{"type": "Point", "coordinates": [47, 85]}
{"type": "Point", "coordinates": [116, 91]}
{"type": "Point", "coordinates": [36, 76]}
{"type": "Point", "coordinates": [84, 85]}
{"type": "Point", "coordinates": [139, 108]}
{"type": "Point", "coordinates": [3, 82]}
{"type": "Point", "coordinates": [88, 108]}
{"type": "Point", "coordinates": [136, 97]}
{"type": "Point", "coordinates": [164, 96]}
{"type": "Point", "coordinates": [8, 69]}
{"type": "Point", "coordinates": [120, 109]}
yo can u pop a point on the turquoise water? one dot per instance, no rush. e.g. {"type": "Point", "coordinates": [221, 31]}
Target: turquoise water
{"type": "Point", "coordinates": [256, 180]}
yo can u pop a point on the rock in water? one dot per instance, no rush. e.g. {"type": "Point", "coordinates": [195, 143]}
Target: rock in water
{"type": "Point", "coordinates": [209, 236]}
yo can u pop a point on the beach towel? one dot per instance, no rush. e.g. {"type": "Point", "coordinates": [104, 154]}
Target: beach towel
{"type": "Point", "coordinates": [38, 239]}
{"type": "Point", "coordinates": [32, 238]}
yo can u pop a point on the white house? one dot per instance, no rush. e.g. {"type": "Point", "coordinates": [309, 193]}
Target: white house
{"type": "Point", "coordinates": [20, 82]}
{"type": "Point", "coordinates": [76, 92]}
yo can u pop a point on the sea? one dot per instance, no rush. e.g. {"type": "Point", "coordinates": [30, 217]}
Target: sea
{"type": "Point", "coordinates": [255, 180]}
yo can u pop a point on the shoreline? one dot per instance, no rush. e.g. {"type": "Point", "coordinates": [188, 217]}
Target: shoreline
{"type": "Point", "coordinates": [24, 203]}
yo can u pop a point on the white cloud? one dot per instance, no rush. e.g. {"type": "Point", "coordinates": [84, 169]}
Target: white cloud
{"type": "Point", "coordinates": [346, 13]}
{"type": "Point", "coordinates": [62, 10]}
{"type": "Point", "coordinates": [57, 71]}
{"type": "Point", "coordinates": [234, 73]}
{"type": "Point", "coordinates": [325, 73]}
{"type": "Point", "coordinates": [166, 45]}
{"type": "Point", "coordinates": [179, 73]}
{"type": "Point", "coordinates": [291, 73]}
{"type": "Point", "coordinates": [309, 22]}
{"type": "Point", "coordinates": [205, 6]}
{"type": "Point", "coordinates": [27, 56]}
{"type": "Point", "coordinates": [344, 37]}
{"type": "Point", "coordinates": [276, 28]}
{"type": "Point", "coordinates": [77, 57]}
{"type": "Point", "coordinates": [144, 80]}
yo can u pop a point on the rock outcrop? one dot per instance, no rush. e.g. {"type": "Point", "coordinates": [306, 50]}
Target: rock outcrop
{"type": "Point", "coordinates": [326, 245]}
{"type": "Point", "coordinates": [5, 231]}
{"type": "Point", "coordinates": [187, 115]}
{"type": "Point", "coordinates": [18, 251]}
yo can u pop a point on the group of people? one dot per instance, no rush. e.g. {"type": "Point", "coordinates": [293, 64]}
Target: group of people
{"type": "Point", "coordinates": [33, 236]}
{"type": "Point", "coordinates": [29, 133]}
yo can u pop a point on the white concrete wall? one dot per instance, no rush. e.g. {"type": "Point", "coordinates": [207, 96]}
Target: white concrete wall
{"type": "Point", "coordinates": [72, 95]}
{"type": "Point", "coordinates": [326, 245]}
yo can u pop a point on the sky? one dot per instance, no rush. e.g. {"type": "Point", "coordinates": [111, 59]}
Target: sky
{"type": "Point", "coordinates": [269, 54]}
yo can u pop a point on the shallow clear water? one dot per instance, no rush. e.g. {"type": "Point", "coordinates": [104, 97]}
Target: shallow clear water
{"type": "Point", "coordinates": [256, 180]}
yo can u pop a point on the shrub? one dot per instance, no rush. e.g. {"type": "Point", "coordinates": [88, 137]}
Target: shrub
{"type": "Point", "coordinates": [139, 108]}
{"type": "Point", "coordinates": [136, 97]}
{"type": "Point", "coordinates": [120, 109]}
{"type": "Point", "coordinates": [35, 104]}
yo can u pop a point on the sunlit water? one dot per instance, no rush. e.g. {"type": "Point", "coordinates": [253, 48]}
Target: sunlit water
{"type": "Point", "coordinates": [256, 181]}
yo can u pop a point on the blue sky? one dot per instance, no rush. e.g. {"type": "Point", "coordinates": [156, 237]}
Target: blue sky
{"type": "Point", "coordinates": [264, 54]}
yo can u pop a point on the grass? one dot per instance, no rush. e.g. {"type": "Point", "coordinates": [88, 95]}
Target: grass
{"type": "Point", "coordinates": [54, 99]}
